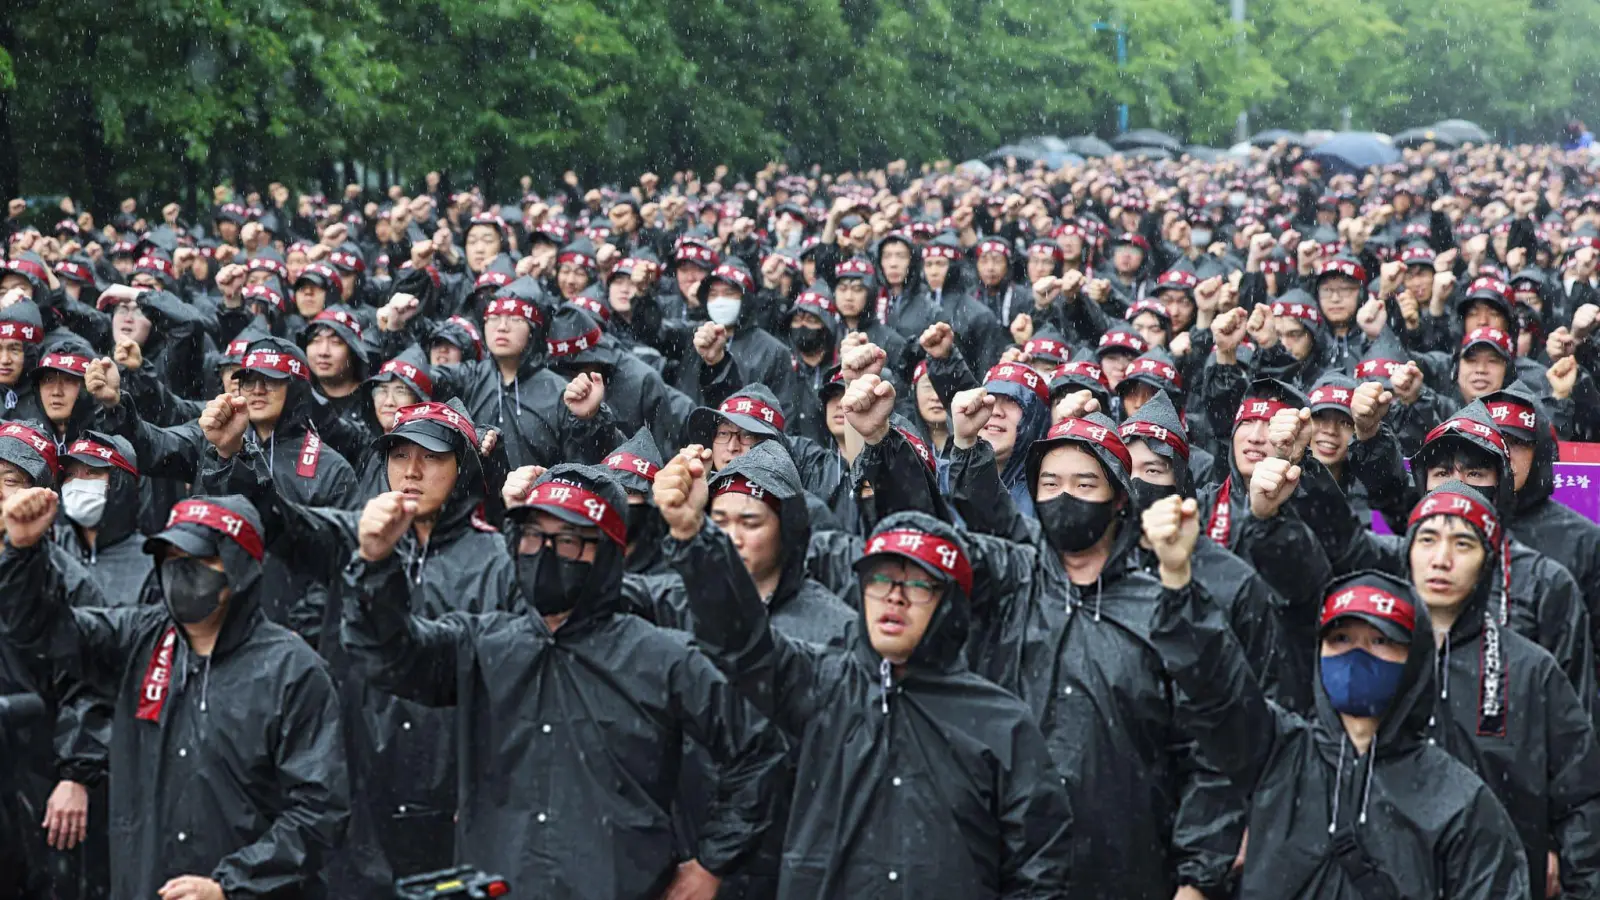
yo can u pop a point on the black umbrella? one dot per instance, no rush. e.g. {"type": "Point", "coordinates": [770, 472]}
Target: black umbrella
{"type": "Point", "coordinates": [1273, 135]}
{"type": "Point", "coordinates": [1416, 137]}
{"type": "Point", "coordinates": [1354, 152]}
{"type": "Point", "coordinates": [1151, 153]}
{"type": "Point", "coordinates": [1147, 137]}
{"type": "Point", "coordinates": [1088, 145]}
{"type": "Point", "coordinates": [1463, 131]}
{"type": "Point", "coordinates": [1204, 154]}
{"type": "Point", "coordinates": [1018, 152]}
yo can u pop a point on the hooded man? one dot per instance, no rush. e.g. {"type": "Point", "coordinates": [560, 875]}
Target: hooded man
{"type": "Point", "coordinates": [1535, 519]}
{"type": "Point", "coordinates": [902, 302]}
{"type": "Point", "coordinates": [753, 416]}
{"type": "Point", "coordinates": [1505, 703]}
{"type": "Point", "coordinates": [1065, 629]}
{"type": "Point", "coordinates": [583, 710]}
{"type": "Point", "coordinates": [100, 511]}
{"type": "Point", "coordinates": [635, 464]}
{"type": "Point", "coordinates": [814, 332]}
{"type": "Point", "coordinates": [1018, 417]}
{"type": "Point", "coordinates": [402, 752]}
{"type": "Point", "coordinates": [58, 379]}
{"type": "Point", "coordinates": [995, 289]}
{"type": "Point", "coordinates": [339, 363]}
{"type": "Point", "coordinates": [981, 336]}
{"type": "Point", "coordinates": [1341, 289]}
{"type": "Point", "coordinates": [892, 729]}
{"type": "Point", "coordinates": [1352, 801]}
{"type": "Point", "coordinates": [21, 340]}
{"type": "Point", "coordinates": [225, 736]}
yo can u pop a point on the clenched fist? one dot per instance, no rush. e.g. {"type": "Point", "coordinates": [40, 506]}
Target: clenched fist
{"type": "Point", "coordinates": [970, 409]}
{"type": "Point", "coordinates": [938, 340]}
{"type": "Point", "coordinates": [711, 342]}
{"type": "Point", "coordinates": [1271, 485]}
{"type": "Point", "coordinates": [386, 518]}
{"type": "Point", "coordinates": [128, 354]}
{"type": "Point", "coordinates": [1227, 332]}
{"type": "Point", "coordinates": [1563, 377]}
{"type": "Point", "coordinates": [1290, 433]}
{"type": "Point", "coordinates": [1407, 381]}
{"type": "Point", "coordinates": [680, 491]}
{"type": "Point", "coordinates": [1368, 406]}
{"type": "Point", "coordinates": [28, 515]}
{"type": "Point", "coordinates": [223, 423]}
{"type": "Point", "coordinates": [1372, 317]}
{"type": "Point", "coordinates": [103, 382]}
{"type": "Point", "coordinates": [865, 359]}
{"type": "Point", "coordinates": [1075, 405]}
{"type": "Point", "coordinates": [867, 404]}
{"type": "Point", "coordinates": [1171, 527]}
{"type": "Point", "coordinates": [584, 394]}
{"type": "Point", "coordinates": [519, 484]}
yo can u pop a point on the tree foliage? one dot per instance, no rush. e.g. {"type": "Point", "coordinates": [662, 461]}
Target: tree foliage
{"type": "Point", "coordinates": [102, 99]}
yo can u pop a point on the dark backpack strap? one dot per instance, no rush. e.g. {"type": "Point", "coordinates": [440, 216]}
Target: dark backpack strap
{"type": "Point", "coordinates": [1370, 882]}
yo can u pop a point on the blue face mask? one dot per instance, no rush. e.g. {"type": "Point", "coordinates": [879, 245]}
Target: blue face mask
{"type": "Point", "coordinates": [1360, 684]}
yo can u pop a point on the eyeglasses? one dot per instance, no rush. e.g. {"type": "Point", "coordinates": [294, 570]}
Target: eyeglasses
{"type": "Point", "coordinates": [744, 439]}
{"type": "Point", "coordinates": [251, 383]}
{"type": "Point", "coordinates": [568, 546]}
{"type": "Point", "coordinates": [393, 393]}
{"type": "Point", "coordinates": [915, 591]}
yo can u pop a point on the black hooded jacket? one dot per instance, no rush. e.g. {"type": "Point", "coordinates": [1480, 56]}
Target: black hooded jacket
{"type": "Point", "coordinates": [569, 743]}
{"type": "Point", "coordinates": [236, 772]}
{"type": "Point", "coordinates": [930, 782]}
{"type": "Point", "coordinates": [116, 558]}
{"type": "Point", "coordinates": [402, 753]}
{"type": "Point", "coordinates": [1080, 657]}
{"type": "Point", "coordinates": [1507, 711]}
{"type": "Point", "coordinates": [1417, 815]}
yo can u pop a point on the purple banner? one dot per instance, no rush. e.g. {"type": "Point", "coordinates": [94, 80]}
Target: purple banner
{"type": "Point", "coordinates": [1577, 487]}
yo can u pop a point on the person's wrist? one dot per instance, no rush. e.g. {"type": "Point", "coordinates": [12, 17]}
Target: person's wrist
{"type": "Point", "coordinates": [372, 555]}
{"type": "Point", "coordinates": [1176, 577]}
{"type": "Point", "coordinates": [685, 532]}
{"type": "Point", "coordinates": [1226, 356]}
{"type": "Point", "coordinates": [963, 442]}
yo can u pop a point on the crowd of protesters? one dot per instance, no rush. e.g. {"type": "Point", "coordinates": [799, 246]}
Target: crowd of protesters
{"type": "Point", "coordinates": [1147, 530]}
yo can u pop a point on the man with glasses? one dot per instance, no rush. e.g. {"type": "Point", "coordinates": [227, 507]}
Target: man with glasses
{"type": "Point", "coordinates": [572, 714]}
{"type": "Point", "coordinates": [403, 753]}
{"type": "Point", "coordinates": [1341, 288]}
{"type": "Point", "coordinates": [752, 416]}
{"type": "Point", "coordinates": [915, 776]}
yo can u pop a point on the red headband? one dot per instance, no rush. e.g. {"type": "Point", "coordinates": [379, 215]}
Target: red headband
{"type": "Point", "coordinates": [409, 372]}
{"type": "Point", "coordinates": [1148, 365]}
{"type": "Point", "coordinates": [738, 484]}
{"type": "Point", "coordinates": [1337, 396]}
{"type": "Point", "coordinates": [1378, 368]}
{"type": "Point", "coordinates": [1303, 311]}
{"type": "Point", "coordinates": [42, 445]}
{"type": "Point", "coordinates": [1507, 414]}
{"type": "Point", "coordinates": [66, 362]}
{"type": "Point", "coordinates": [919, 371]}
{"type": "Point", "coordinates": [21, 331]}
{"type": "Point", "coordinates": [582, 259]}
{"type": "Point", "coordinates": [1464, 425]}
{"type": "Point", "coordinates": [1123, 339]}
{"type": "Point", "coordinates": [492, 279]}
{"type": "Point", "coordinates": [236, 347]}
{"type": "Point", "coordinates": [30, 267]}
{"type": "Point", "coordinates": [934, 551]}
{"type": "Point", "coordinates": [1445, 503]}
{"type": "Point", "coordinates": [1369, 601]}
{"type": "Point", "coordinates": [992, 246]}
{"type": "Point", "coordinates": [574, 346]}
{"type": "Point", "coordinates": [1045, 347]}
{"type": "Point", "coordinates": [513, 306]}
{"type": "Point", "coordinates": [262, 292]}
{"type": "Point", "coordinates": [267, 263]}
{"type": "Point", "coordinates": [1085, 430]}
{"type": "Point", "coordinates": [575, 498]}
{"type": "Point", "coordinates": [1024, 376]}
{"type": "Point", "coordinates": [738, 276]}
{"type": "Point", "coordinates": [749, 406]}
{"type": "Point", "coordinates": [441, 413]}
{"type": "Point", "coordinates": [154, 264]}
{"type": "Point", "coordinates": [591, 305]}
{"type": "Point", "coordinates": [222, 520]}
{"type": "Point", "coordinates": [86, 447]}
{"type": "Point", "coordinates": [1080, 367]}
{"type": "Point", "coordinates": [941, 251]}
{"type": "Point", "coordinates": [1141, 429]}
{"type": "Point", "coordinates": [341, 317]}
{"type": "Point", "coordinates": [1495, 336]}
{"type": "Point", "coordinates": [633, 465]}
{"type": "Point", "coordinates": [276, 361]}
{"type": "Point", "coordinates": [1260, 409]}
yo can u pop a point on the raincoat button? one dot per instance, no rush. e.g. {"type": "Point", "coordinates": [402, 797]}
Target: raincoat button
{"type": "Point", "coordinates": [894, 876]}
{"type": "Point", "coordinates": [541, 817]}
{"type": "Point", "coordinates": [182, 752]}
{"type": "Point", "coordinates": [401, 808]}
{"type": "Point", "coordinates": [1067, 691]}
{"type": "Point", "coordinates": [896, 781]}
{"type": "Point", "coordinates": [405, 726]}
{"type": "Point", "coordinates": [182, 836]}
{"type": "Point", "coordinates": [545, 729]}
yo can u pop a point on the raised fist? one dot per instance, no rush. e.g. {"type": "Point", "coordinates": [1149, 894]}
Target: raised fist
{"type": "Point", "coordinates": [519, 484]}
{"type": "Point", "coordinates": [711, 342]}
{"type": "Point", "coordinates": [1271, 485]}
{"type": "Point", "coordinates": [28, 515]}
{"type": "Point", "coordinates": [1262, 326]}
{"type": "Point", "coordinates": [680, 491]}
{"type": "Point", "coordinates": [1290, 433]}
{"type": "Point", "coordinates": [1372, 317]}
{"type": "Point", "coordinates": [1099, 289]}
{"type": "Point", "coordinates": [1368, 406]}
{"type": "Point", "coordinates": [1075, 405]}
{"type": "Point", "coordinates": [223, 423]}
{"type": "Point", "coordinates": [970, 409]}
{"type": "Point", "coordinates": [584, 394]}
{"type": "Point", "coordinates": [868, 402]}
{"type": "Point", "coordinates": [1407, 381]}
{"type": "Point", "coordinates": [938, 340]}
{"type": "Point", "coordinates": [1022, 328]}
{"type": "Point", "coordinates": [128, 354]}
{"type": "Point", "coordinates": [1583, 321]}
{"type": "Point", "coordinates": [1171, 528]}
{"type": "Point", "coordinates": [385, 520]}
{"type": "Point", "coordinates": [103, 382]}
{"type": "Point", "coordinates": [1563, 377]}
{"type": "Point", "coordinates": [1228, 330]}
{"type": "Point", "coordinates": [866, 359]}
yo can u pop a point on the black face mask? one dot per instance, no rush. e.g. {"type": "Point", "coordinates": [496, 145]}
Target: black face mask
{"type": "Point", "coordinates": [808, 340]}
{"type": "Point", "coordinates": [192, 589]}
{"type": "Point", "coordinates": [1146, 494]}
{"type": "Point", "coordinates": [1072, 525]}
{"type": "Point", "coordinates": [553, 584]}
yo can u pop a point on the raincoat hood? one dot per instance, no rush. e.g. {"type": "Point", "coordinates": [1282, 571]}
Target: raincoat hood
{"type": "Point", "coordinates": [1474, 426]}
{"type": "Point", "coordinates": [602, 591]}
{"type": "Point", "coordinates": [1519, 413]}
{"type": "Point", "coordinates": [430, 426]}
{"type": "Point", "coordinates": [942, 646]}
{"type": "Point", "coordinates": [770, 468]}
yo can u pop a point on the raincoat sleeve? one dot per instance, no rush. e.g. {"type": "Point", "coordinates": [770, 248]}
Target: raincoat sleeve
{"type": "Point", "coordinates": [900, 480]}
{"type": "Point", "coordinates": [314, 540]}
{"type": "Point", "coordinates": [951, 375]}
{"type": "Point", "coordinates": [309, 771]}
{"type": "Point", "coordinates": [1380, 465]}
{"type": "Point", "coordinates": [36, 615]}
{"type": "Point", "coordinates": [982, 501]}
{"type": "Point", "coordinates": [1573, 779]}
{"type": "Point", "coordinates": [1288, 556]}
{"type": "Point", "coordinates": [1564, 630]}
{"type": "Point", "coordinates": [155, 400]}
{"type": "Point", "coordinates": [1035, 819]}
{"type": "Point", "coordinates": [1236, 727]}
{"type": "Point", "coordinates": [830, 560]}
{"type": "Point", "coordinates": [749, 753]}
{"type": "Point", "coordinates": [1210, 820]}
{"type": "Point", "coordinates": [777, 675]}
{"type": "Point", "coordinates": [83, 734]}
{"type": "Point", "coordinates": [163, 452]}
{"type": "Point", "coordinates": [409, 656]}
{"type": "Point", "coordinates": [1222, 389]}
{"type": "Point", "coordinates": [1482, 857]}
{"type": "Point", "coordinates": [88, 322]}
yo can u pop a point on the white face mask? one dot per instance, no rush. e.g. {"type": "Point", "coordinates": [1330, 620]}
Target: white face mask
{"type": "Point", "coordinates": [84, 500]}
{"type": "Point", "coordinates": [1200, 237]}
{"type": "Point", "coordinates": [723, 311]}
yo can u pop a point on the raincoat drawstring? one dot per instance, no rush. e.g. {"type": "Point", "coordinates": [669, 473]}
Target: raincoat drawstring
{"type": "Point", "coordinates": [886, 672]}
{"type": "Point", "coordinates": [1444, 669]}
{"type": "Point", "coordinates": [1098, 579]}
{"type": "Point", "coordinates": [205, 684]}
{"type": "Point", "coordinates": [1372, 765]}
{"type": "Point", "coordinates": [1338, 785]}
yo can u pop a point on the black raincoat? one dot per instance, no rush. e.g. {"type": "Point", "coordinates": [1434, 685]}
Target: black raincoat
{"type": "Point", "coordinates": [569, 743]}
{"type": "Point", "coordinates": [237, 771]}
{"type": "Point", "coordinates": [929, 783]}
